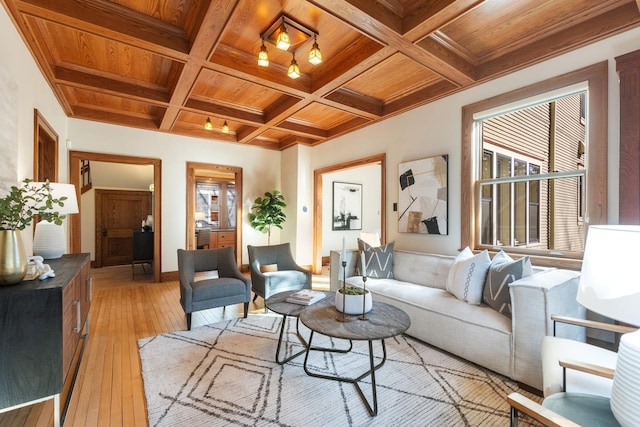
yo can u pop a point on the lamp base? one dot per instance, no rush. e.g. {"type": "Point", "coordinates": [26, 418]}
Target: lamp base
{"type": "Point", "coordinates": [49, 241]}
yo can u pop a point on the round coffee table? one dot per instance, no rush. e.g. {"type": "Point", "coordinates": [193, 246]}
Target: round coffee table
{"type": "Point", "coordinates": [384, 321]}
{"type": "Point", "coordinates": [278, 304]}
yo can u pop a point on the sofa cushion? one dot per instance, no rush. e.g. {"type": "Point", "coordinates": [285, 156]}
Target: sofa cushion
{"type": "Point", "coordinates": [379, 260]}
{"type": "Point", "coordinates": [467, 275]}
{"type": "Point", "coordinates": [502, 272]}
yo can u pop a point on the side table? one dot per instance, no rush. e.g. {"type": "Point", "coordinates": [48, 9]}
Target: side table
{"type": "Point", "coordinates": [384, 321]}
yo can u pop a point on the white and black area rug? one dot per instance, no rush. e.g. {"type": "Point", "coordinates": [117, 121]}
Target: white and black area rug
{"type": "Point", "coordinates": [225, 374]}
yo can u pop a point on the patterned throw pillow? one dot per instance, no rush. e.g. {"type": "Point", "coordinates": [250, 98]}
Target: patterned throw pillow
{"type": "Point", "coordinates": [467, 274]}
{"type": "Point", "coordinates": [502, 272]}
{"type": "Point", "coordinates": [379, 260]}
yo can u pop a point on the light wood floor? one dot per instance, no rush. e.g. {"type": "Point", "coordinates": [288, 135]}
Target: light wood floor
{"type": "Point", "coordinates": [109, 390]}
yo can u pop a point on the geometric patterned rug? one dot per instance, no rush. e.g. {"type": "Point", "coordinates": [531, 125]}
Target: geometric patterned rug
{"type": "Point", "coordinates": [225, 374]}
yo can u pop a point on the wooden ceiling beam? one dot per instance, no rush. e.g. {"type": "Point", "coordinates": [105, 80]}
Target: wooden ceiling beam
{"type": "Point", "coordinates": [211, 27]}
{"type": "Point", "coordinates": [123, 24]}
{"type": "Point", "coordinates": [430, 16]}
{"type": "Point", "coordinates": [357, 101]}
{"type": "Point", "coordinates": [292, 140]}
{"type": "Point", "coordinates": [348, 126]}
{"type": "Point", "coordinates": [344, 11]}
{"type": "Point", "coordinates": [98, 115]}
{"type": "Point", "coordinates": [112, 86]}
{"type": "Point", "coordinates": [225, 111]}
{"type": "Point", "coordinates": [303, 130]}
{"type": "Point", "coordinates": [424, 95]}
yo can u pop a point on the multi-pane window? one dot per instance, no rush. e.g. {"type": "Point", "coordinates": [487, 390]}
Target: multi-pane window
{"type": "Point", "coordinates": [510, 211]}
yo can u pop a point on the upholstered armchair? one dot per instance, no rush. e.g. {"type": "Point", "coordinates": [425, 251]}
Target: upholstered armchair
{"type": "Point", "coordinates": [287, 275]}
{"type": "Point", "coordinates": [229, 287]}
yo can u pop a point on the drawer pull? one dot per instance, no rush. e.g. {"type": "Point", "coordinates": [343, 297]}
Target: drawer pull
{"type": "Point", "coordinates": [78, 315]}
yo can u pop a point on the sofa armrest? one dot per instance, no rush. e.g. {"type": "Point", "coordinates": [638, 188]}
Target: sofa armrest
{"type": "Point", "coordinates": [335, 268]}
{"type": "Point", "coordinates": [533, 300]}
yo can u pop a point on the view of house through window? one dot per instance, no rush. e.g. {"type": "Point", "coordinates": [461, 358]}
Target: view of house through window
{"type": "Point", "coordinates": [519, 205]}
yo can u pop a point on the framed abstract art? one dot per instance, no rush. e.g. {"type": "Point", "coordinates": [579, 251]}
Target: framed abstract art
{"type": "Point", "coordinates": [422, 196]}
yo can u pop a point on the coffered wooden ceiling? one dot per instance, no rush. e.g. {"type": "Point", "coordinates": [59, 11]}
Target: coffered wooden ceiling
{"type": "Point", "coordinates": [167, 65]}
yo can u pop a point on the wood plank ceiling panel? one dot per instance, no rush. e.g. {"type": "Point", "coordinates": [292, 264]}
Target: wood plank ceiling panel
{"type": "Point", "coordinates": [167, 65]}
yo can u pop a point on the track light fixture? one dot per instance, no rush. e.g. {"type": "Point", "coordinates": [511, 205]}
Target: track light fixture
{"type": "Point", "coordinates": [263, 56]}
{"type": "Point", "coordinates": [283, 41]}
{"type": "Point", "coordinates": [225, 127]}
{"type": "Point", "coordinates": [315, 56]}
{"type": "Point", "coordinates": [208, 125]}
{"type": "Point", "coordinates": [288, 34]}
{"type": "Point", "coordinates": [294, 70]}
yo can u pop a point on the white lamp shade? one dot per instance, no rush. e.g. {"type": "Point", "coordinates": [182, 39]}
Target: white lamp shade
{"type": "Point", "coordinates": [59, 190]}
{"type": "Point", "coordinates": [49, 241]}
{"type": "Point", "coordinates": [625, 393]}
{"type": "Point", "coordinates": [199, 216]}
{"type": "Point", "coordinates": [609, 282]}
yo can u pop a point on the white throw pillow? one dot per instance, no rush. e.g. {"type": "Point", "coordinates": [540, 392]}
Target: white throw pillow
{"type": "Point", "coordinates": [467, 275]}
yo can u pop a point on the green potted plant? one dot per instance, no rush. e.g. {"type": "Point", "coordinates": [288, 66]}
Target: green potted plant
{"type": "Point", "coordinates": [267, 212]}
{"type": "Point", "coordinates": [17, 210]}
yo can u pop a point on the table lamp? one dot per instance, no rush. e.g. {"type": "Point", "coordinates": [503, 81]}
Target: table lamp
{"type": "Point", "coordinates": [50, 240]}
{"type": "Point", "coordinates": [609, 286]}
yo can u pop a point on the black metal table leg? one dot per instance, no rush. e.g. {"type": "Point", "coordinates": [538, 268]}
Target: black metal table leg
{"type": "Point", "coordinates": [300, 337]}
{"type": "Point", "coordinates": [373, 410]}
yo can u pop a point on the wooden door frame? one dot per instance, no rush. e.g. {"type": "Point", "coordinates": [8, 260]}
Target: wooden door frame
{"type": "Point", "coordinates": [192, 167]}
{"type": "Point", "coordinates": [75, 178]}
{"type": "Point", "coordinates": [42, 127]}
{"type": "Point", "coordinates": [318, 199]}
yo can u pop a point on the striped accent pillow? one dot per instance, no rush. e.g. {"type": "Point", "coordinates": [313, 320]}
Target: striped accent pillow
{"type": "Point", "coordinates": [379, 260]}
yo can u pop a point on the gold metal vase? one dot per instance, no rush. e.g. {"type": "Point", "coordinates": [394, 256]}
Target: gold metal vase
{"type": "Point", "coordinates": [13, 259]}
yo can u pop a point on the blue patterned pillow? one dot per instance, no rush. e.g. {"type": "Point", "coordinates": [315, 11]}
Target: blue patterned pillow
{"type": "Point", "coordinates": [379, 260]}
{"type": "Point", "coordinates": [501, 273]}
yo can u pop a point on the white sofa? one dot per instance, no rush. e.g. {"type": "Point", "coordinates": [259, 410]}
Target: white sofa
{"type": "Point", "coordinates": [477, 333]}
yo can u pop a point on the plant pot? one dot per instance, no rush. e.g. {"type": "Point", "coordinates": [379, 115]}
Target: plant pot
{"type": "Point", "coordinates": [353, 303]}
{"type": "Point", "coordinates": [13, 259]}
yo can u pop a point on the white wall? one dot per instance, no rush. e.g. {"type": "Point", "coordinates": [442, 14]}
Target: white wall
{"type": "Point", "coordinates": [369, 177]}
{"type": "Point", "coordinates": [435, 129]}
{"type": "Point", "coordinates": [18, 66]}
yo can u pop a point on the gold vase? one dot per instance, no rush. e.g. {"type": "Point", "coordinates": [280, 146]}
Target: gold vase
{"type": "Point", "coordinates": [13, 259]}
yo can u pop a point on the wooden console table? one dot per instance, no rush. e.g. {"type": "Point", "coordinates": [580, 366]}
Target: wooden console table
{"type": "Point", "coordinates": [43, 327]}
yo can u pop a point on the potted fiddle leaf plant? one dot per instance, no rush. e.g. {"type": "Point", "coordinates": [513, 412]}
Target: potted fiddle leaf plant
{"type": "Point", "coordinates": [17, 210]}
{"type": "Point", "coordinates": [268, 212]}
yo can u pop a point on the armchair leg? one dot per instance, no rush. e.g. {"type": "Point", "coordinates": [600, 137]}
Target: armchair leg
{"type": "Point", "coordinates": [255, 297]}
{"type": "Point", "coordinates": [188, 321]}
{"type": "Point", "coordinates": [246, 309]}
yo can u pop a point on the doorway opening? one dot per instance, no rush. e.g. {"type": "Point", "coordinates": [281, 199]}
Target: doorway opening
{"type": "Point", "coordinates": [214, 203]}
{"type": "Point", "coordinates": [320, 198]}
{"type": "Point", "coordinates": [75, 177]}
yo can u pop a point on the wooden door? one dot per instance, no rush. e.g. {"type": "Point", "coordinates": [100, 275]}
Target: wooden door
{"type": "Point", "coordinates": [118, 214]}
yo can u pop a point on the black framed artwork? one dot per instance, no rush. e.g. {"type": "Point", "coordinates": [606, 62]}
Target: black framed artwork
{"type": "Point", "coordinates": [347, 206]}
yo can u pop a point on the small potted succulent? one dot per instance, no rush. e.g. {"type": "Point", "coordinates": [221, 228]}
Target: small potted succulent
{"type": "Point", "coordinates": [349, 300]}
{"type": "Point", "coordinates": [17, 211]}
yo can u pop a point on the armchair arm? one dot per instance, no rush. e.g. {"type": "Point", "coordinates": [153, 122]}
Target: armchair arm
{"type": "Point", "coordinates": [536, 411]}
{"type": "Point", "coordinates": [620, 329]}
{"type": "Point", "coordinates": [589, 368]}
{"type": "Point", "coordinates": [533, 299]}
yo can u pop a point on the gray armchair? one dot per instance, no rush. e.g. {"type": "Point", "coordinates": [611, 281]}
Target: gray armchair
{"type": "Point", "coordinates": [287, 277]}
{"type": "Point", "coordinates": [230, 287]}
